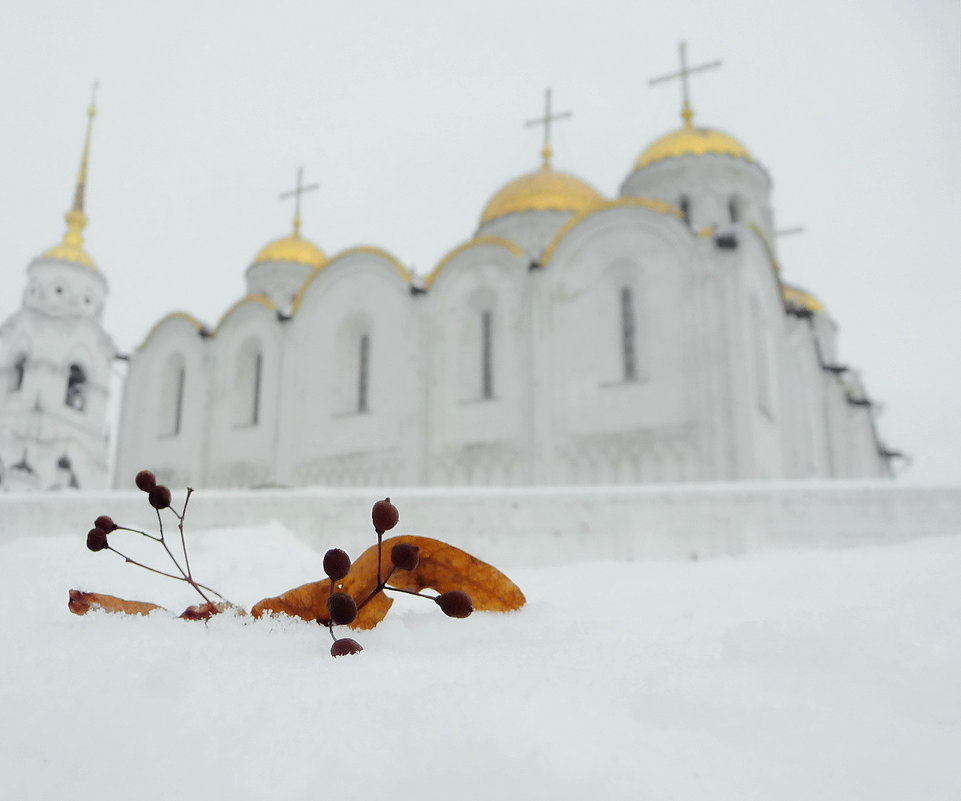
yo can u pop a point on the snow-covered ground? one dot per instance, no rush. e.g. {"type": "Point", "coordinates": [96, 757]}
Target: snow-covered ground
{"type": "Point", "coordinates": [778, 675]}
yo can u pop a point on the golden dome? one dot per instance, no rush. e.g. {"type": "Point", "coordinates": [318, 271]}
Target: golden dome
{"type": "Point", "coordinates": [795, 296]}
{"type": "Point", "coordinates": [690, 141]}
{"type": "Point", "coordinates": [543, 190]}
{"type": "Point", "coordinates": [292, 248]}
{"type": "Point", "coordinates": [71, 248]}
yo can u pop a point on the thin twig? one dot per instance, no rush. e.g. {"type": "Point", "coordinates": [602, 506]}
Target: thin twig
{"type": "Point", "coordinates": [187, 576]}
{"type": "Point", "coordinates": [138, 531]}
{"type": "Point", "coordinates": [380, 586]}
{"type": "Point", "coordinates": [183, 542]}
{"type": "Point", "coordinates": [194, 584]}
{"type": "Point", "coordinates": [409, 592]}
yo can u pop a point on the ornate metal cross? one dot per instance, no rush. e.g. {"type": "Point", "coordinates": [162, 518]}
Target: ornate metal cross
{"type": "Point", "coordinates": [683, 73]}
{"type": "Point", "coordinates": [299, 190]}
{"type": "Point", "coordinates": [546, 121]}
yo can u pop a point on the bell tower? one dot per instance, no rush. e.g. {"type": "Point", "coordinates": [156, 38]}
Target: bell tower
{"type": "Point", "coordinates": [55, 360]}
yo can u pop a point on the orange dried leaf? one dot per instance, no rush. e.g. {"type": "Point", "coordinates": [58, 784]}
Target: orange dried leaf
{"type": "Point", "coordinates": [443, 567]}
{"type": "Point", "coordinates": [82, 602]}
{"type": "Point", "coordinates": [309, 601]}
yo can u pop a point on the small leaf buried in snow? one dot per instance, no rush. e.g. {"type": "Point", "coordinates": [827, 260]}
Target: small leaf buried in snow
{"type": "Point", "coordinates": [82, 602]}
{"type": "Point", "coordinates": [206, 611]}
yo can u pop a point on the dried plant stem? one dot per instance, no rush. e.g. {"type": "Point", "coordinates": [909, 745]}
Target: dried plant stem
{"type": "Point", "coordinates": [196, 585]}
{"type": "Point", "coordinates": [186, 576]}
{"type": "Point", "coordinates": [180, 525]}
{"type": "Point", "coordinates": [409, 592]}
{"type": "Point", "coordinates": [138, 531]}
{"type": "Point", "coordinates": [379, 588]}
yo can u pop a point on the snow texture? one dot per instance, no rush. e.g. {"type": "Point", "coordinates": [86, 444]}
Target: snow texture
{"type": "Point", "coordinates": [776, 675]}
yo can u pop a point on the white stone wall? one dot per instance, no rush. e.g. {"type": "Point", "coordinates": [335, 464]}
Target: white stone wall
{"type": "Point", "coordinates": [325, 437]}
{"type": "Point", "coordinates": [148, 413]}
{"type": "Point", "coordinates": [473, 439]}
{"type": "Point", "coordinates": [557, 524]}
{"type": "Point", "coordinates": [592, 423]}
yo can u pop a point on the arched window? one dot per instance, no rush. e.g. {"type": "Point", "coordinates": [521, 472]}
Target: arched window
{"type": "Point", "coordinates": [172, 396]}
{"type": "Point", "coordinates": [351, 377]}
{"type": "Point", "coordinates": [76, 395]}
{"type": "Point", "coordinates": [18, 371]}
{"type": "Point", "coordinates": [684, 204]}
{"type": "Point", "coordinates": [363, 373]}
{"type": "Point", "coordinates": [247, 384]}
{"type": "Point", "coordinates": [478, 353]}
{"type": "Point", "coordinates": [487, 354]}
{"type": "Point", "coordinates": [628, 335]}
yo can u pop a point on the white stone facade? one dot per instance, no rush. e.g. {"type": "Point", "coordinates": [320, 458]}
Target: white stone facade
{"type": "Point", "coordinates": [628, 342]}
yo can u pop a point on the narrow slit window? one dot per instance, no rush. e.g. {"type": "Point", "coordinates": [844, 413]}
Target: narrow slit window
{"type": "Point", "coordinates": [363, 374]}
{"type": "Point", "coordinates": [76, 395]}
{"type": "Point", "coordinates": [628, 335]}
{"type": "Point", "coordinates": [684, 204]}
{"type": "Point", "coordinates": [19, 369]}
{"type": "Point", "coordinates": [179, 400]}
{"type": "Point", "coordinates": [258, 370]}
{"type": "Point", "coordinates": [487, 354]}
{"type": "Point", "coordinates": [734, 210]}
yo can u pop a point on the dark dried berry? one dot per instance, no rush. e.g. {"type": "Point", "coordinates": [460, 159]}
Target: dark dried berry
{"type": "Point", "coordinates": [455, 603]}
{"type": "Point", "coordinates": [97, 539]}
{"type": "Point", "coordinates": [336, 564]}
{"type": "Point", "coordinates": [159, 497]}
{"type": "Point", "coordinates": [345, 646]}
{"type": "Point", "coordinates": [405, 556]}
{"type": "Point", "coordinates": [146, 480]}
{"type": "Point", "coordinates": [385, 516]}
{"type": "Point", "coordinates": [341, 608]}
{"type": "Point", "coordinates": [105, 523]}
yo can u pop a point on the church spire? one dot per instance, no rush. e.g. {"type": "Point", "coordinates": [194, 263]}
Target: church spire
{"type": "Point", "coordinates": [71, 248]}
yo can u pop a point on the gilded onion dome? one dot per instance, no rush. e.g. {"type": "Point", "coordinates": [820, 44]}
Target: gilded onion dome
{"type": "Point", "coordinates": [293, 248]}
{"type": "Point", "coordinates": [542, 190]}
{"type": "Point", "coordinates": [690, 141]}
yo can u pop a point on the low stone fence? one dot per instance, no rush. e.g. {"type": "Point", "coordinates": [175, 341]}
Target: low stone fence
{"type": "Point", "coordinates": [546, 525]}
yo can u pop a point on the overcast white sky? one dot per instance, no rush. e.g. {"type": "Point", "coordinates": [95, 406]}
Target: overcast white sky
{"type": "Point", "coordinates": [410, 115]}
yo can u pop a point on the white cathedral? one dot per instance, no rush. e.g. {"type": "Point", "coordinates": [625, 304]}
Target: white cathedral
{"type": "Point", "coordinates": [572, 339]}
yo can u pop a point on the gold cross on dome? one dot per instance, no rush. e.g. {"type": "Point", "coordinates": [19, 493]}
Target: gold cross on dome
{"type": "Point", "coordinates": [683, 73]}
{"type": "Point", "coordinates": [295, 193]}
{"type": "Point", "coordinates": [546, 121]}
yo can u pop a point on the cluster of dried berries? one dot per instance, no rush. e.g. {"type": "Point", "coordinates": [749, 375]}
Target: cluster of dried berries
{"type": "Point", "coordinates": [342, 609]}
{"type": "Point", "coordinates": [158, 496]}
